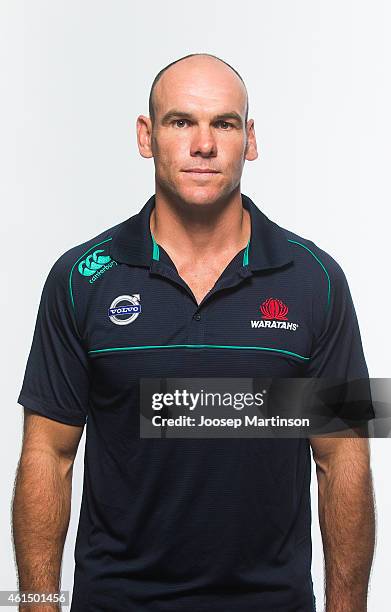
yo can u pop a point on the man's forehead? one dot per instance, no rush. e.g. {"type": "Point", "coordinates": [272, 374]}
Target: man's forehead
{"type": "Point", "coordinates": [202, 85]}
{"type": "Point", "coordinates": [198, 106]}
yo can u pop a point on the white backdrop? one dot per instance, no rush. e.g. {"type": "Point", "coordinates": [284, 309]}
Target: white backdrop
{"type": "Point", "coordinates": [74, 76]}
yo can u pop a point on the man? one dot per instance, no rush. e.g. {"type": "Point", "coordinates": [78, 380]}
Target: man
{"type": "Point", "coordinates": [179, 290]}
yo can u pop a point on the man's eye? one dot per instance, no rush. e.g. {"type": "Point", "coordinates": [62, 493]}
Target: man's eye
{"type": "Point", "coordinates": [180, 123]}
{"type": "Point", "coordinates": [225, 125]}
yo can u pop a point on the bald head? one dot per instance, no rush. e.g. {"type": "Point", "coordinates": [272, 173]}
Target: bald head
{"type": "Point", "coordinates": [198, 72]}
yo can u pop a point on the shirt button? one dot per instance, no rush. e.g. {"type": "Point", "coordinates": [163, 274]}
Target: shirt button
{"type": "Point", "coordinates": [197, 317]}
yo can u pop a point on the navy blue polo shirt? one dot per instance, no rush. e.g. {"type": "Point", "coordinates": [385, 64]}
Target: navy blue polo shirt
{"type": "Point", "coordinates": [178, 525]}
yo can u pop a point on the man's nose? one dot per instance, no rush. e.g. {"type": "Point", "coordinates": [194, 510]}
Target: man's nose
{"type": "Point", "coordinates": [203, 143]}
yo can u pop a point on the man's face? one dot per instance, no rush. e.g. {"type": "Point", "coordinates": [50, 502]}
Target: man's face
{"type": "Point", "coordinates": [199, 138]}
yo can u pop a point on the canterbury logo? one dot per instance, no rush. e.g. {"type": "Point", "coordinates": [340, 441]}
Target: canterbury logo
{"type": "Point", "coordinates": [274, 309]}
{"type": "Point", "coordinates": [93, 263]}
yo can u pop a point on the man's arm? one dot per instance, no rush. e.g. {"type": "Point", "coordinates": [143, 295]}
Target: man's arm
{"type": "Point", "coordinates": [347, 519]}
{"type": "Point", "coordinates": [42, 502]}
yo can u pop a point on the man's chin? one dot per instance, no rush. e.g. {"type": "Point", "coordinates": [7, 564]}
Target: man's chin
{"type": "Point", "coordinates": [200, 196]}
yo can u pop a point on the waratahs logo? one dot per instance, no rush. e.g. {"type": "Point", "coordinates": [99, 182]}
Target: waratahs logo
{"type": "Point", "coordinates": [274, 315]}
{"type": "Point", "coordinates": [95, 264]}
{"type": "Point", "coordinates": [274, 309]}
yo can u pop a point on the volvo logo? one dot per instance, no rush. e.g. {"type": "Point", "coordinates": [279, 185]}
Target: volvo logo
{"type": "Point", "coordinates": [125, 309]}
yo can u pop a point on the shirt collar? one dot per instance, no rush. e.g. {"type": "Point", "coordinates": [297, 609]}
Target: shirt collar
{"type": "Point", "coordinates": [268, 247]}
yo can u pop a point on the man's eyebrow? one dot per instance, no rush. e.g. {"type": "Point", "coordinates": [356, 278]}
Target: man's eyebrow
{"type": "Point", "coordinates": [178, 114]}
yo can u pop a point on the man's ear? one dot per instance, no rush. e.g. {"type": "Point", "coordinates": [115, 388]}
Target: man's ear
{"type": "Point", "coordinates": [144, 135]}
{"type": "Point", "coordinates": [251, 147]}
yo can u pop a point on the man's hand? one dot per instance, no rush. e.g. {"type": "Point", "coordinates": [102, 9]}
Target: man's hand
{"type": "Point", "coordinates": [347, 519]}
{"type": "Point", "coordinates": [42, 502]}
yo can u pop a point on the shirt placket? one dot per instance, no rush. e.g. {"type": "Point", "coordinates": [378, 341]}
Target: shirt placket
{"type": "Point", "coordinates": [197, 314]}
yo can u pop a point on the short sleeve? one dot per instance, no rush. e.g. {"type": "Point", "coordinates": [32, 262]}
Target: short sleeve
{"type": "Point", "coordinates": [56, 379]}
{"type": "Point", "coordinates": [337, 352]}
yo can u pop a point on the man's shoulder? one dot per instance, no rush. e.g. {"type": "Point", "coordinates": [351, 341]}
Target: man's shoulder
{"type": "Point", "coordinates": [309, 254]}
{"type": "Point", "coordinates": [87, 257]}
{"type": "Point", "coordinates": [318, 273]}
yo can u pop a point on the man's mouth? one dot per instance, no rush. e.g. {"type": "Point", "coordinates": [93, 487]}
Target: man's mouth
{"type": "Point", "coordinates": [201, 171]}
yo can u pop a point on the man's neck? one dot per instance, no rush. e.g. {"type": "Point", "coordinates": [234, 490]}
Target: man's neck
{"type": "Point", "coordinates": [196, 233]}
